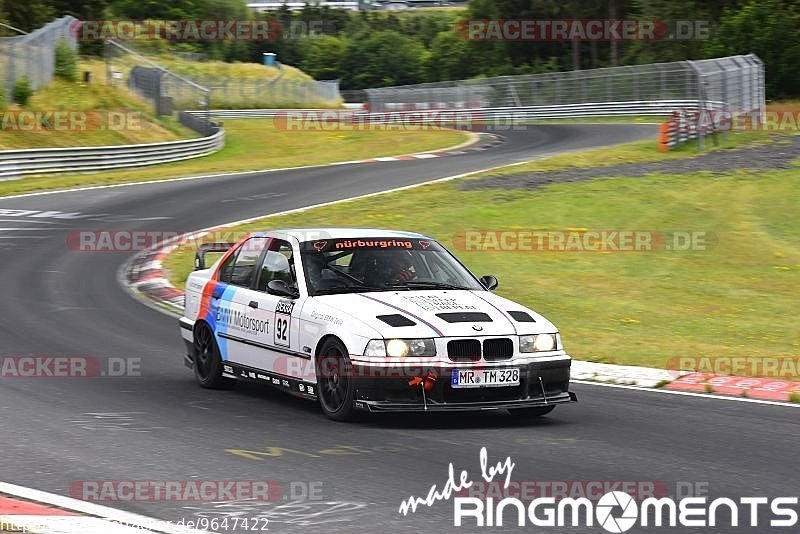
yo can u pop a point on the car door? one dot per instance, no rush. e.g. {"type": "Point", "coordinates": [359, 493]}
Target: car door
{"type": "Point", "coordinates": [278, 351]}
{"type": "Point", "coordinates": [235, 321]}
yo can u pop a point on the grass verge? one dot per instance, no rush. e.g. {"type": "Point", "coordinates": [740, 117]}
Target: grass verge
{"type": "Point", "coordinates": [737, 297]}
{"type": "Point", "coordinates": [254, 144]}
{"type": "Point", "coordinates": [106, 116]}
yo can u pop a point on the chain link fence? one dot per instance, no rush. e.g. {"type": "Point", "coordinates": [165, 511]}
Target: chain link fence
{"type": "Point", "coordinates": [244, 93]}
{"type": "Point", "coordinates": [167, 91]}
{"type": "Point", "coordinates": [170, 92]}
{"type": "Point", "coordinates": [32, 55]}
{"type": "Point", "coordinates": [734, 83]}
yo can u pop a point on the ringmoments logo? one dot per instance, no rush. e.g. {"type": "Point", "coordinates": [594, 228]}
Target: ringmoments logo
{"type": "Point", "coordinates": [615, 511]}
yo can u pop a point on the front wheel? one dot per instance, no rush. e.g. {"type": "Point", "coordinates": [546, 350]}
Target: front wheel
{"type": "Point", "coordinates": [207, 360]}
{"type": "Point", "coordinates": [531, 413]}
{"type": "Point", "coordinates": [335, 381]}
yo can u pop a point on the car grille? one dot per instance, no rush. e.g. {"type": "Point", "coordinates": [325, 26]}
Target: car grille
{"type": "Point", "coordinates": [498, 349]}
{"type": "Point", "coordinates": [464, 350]}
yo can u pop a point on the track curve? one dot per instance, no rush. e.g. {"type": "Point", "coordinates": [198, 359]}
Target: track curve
{"type": "Point", "coordinates": [161, 426]}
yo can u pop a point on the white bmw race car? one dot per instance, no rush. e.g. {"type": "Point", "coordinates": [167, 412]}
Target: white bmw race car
{"type": "Point", "coordinates": [371, 320]}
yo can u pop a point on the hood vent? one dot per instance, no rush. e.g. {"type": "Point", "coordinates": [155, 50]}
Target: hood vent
{"type": "Point", "coordinates": [464, 317]}
{"type": "Point", "coordinates": [522, 317]}
{"type": "Point", "coordinates": [396, 320]}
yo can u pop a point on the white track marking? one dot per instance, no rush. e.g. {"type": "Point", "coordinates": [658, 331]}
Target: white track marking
{"type": "Point", "coordinates": [219, 175]}
{"type": "Point", "coordinates": [688, 393]}
{"type": "Point", "coordinates": [28, 221]}
{"type": "Point", "coordinates": [103, 512]}
{"type": "Point", "coordinates": [17, 228]}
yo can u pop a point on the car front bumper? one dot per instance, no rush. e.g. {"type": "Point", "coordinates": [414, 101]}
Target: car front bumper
{"type": "Point", "coordinates": [541, 384]}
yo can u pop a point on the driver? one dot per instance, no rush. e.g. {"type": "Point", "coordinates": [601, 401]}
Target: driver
{"type": "Point", "coordinates": [396, 267]}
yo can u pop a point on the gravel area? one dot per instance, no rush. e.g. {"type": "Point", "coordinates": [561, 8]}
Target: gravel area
{"type": "Point", "coordinates": [778, 155]}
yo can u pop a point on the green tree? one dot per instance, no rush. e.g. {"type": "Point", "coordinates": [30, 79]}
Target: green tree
{"type": "Point", "coordinates": [769, 29]}
{"type": "Point", "coordinates": [22, 91]}
{"type": "Point", "coordinates": [66, 61]}
{"type": "Point", "coordinates": [322, 56]}
{"type": "Point", "coordinates": [381, 59]}
{"type": "Point", "coordinates": [81, 9]}
{"type": "Point", "coordinates": [690, 14]}
{"type": "Point", "coordinates": [450, 58]}
{"type": "Point", "coordinates": [158, 9]}
{"type": "Point", "coordinates": [29, 14]}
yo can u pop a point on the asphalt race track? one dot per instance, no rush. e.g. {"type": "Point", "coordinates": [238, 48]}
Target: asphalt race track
{"type": "Point", "coordinates": [162, 426]}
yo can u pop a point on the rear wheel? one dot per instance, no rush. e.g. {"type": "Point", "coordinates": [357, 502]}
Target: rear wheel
{"type": "Point", "coordinates": [335, 381]}
{"type": "Point", "coordinates": [207, 360]}
{"type": "Point", "coordinates": [531, 413]}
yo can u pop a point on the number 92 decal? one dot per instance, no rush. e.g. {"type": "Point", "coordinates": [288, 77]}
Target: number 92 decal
{"type": "Point", "coordinates": [283, 322]}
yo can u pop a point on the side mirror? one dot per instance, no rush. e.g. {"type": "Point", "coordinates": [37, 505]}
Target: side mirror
{"type": "Point", "coordinates": [205, 248]}
{"type": "Point", "coordinates": [489, 282]}
{"type": "Point", "coordinates": [282, 289]}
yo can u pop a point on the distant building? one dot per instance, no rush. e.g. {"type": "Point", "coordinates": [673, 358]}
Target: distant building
{"type": "Point", "coordinates": [350, 5]}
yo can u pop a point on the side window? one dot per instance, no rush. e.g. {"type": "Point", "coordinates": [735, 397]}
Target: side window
{"type": "Point", "coordinates": [247, 261]}
{"type": "Point", "coordinates": [277, 265]}
{"type": "Point", "coordinates": [226, 269]}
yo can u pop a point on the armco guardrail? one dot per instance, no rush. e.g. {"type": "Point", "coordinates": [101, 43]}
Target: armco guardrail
{"type": "Point", "coordinates": [18, 163]}
{"type": "Point", "coordinates": [564, 111]}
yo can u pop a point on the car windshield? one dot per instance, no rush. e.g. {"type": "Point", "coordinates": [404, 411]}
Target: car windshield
{"type": "Point", "coordinates": [381, 264]}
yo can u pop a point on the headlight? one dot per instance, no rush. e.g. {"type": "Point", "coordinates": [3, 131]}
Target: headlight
{"type": "Point", "coordinates": [400, 347]}
{"type": "Point", "coordinates": [376, 347]}
{"type": "Point", "coordinates": [538, 343]}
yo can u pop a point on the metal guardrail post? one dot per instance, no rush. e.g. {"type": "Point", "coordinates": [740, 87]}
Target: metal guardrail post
{"type": "Point", "coordinates": [700, 97]}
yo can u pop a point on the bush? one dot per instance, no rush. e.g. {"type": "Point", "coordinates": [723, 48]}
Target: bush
{"type": "Point", "coordinates": [66, 64]}
{"type": "Point", "coordinates": [322, 56]}
{"type": "Point", "coordinates": [22, 91]}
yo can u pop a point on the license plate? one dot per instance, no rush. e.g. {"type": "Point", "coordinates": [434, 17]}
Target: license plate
{"type": "Point", "coordinates": [484, 378]}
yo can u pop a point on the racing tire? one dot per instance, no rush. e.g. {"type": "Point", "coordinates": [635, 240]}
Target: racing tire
{"type": "Point", "coordinates": [207, 360]}
{"type": "Point", "coordinates": [531, 413]}
{"type": "Point", "coordinates": [335, 388]}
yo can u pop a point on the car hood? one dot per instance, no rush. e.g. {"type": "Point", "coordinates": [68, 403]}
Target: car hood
{"type": "Point", "coordinates": [440, 313]}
